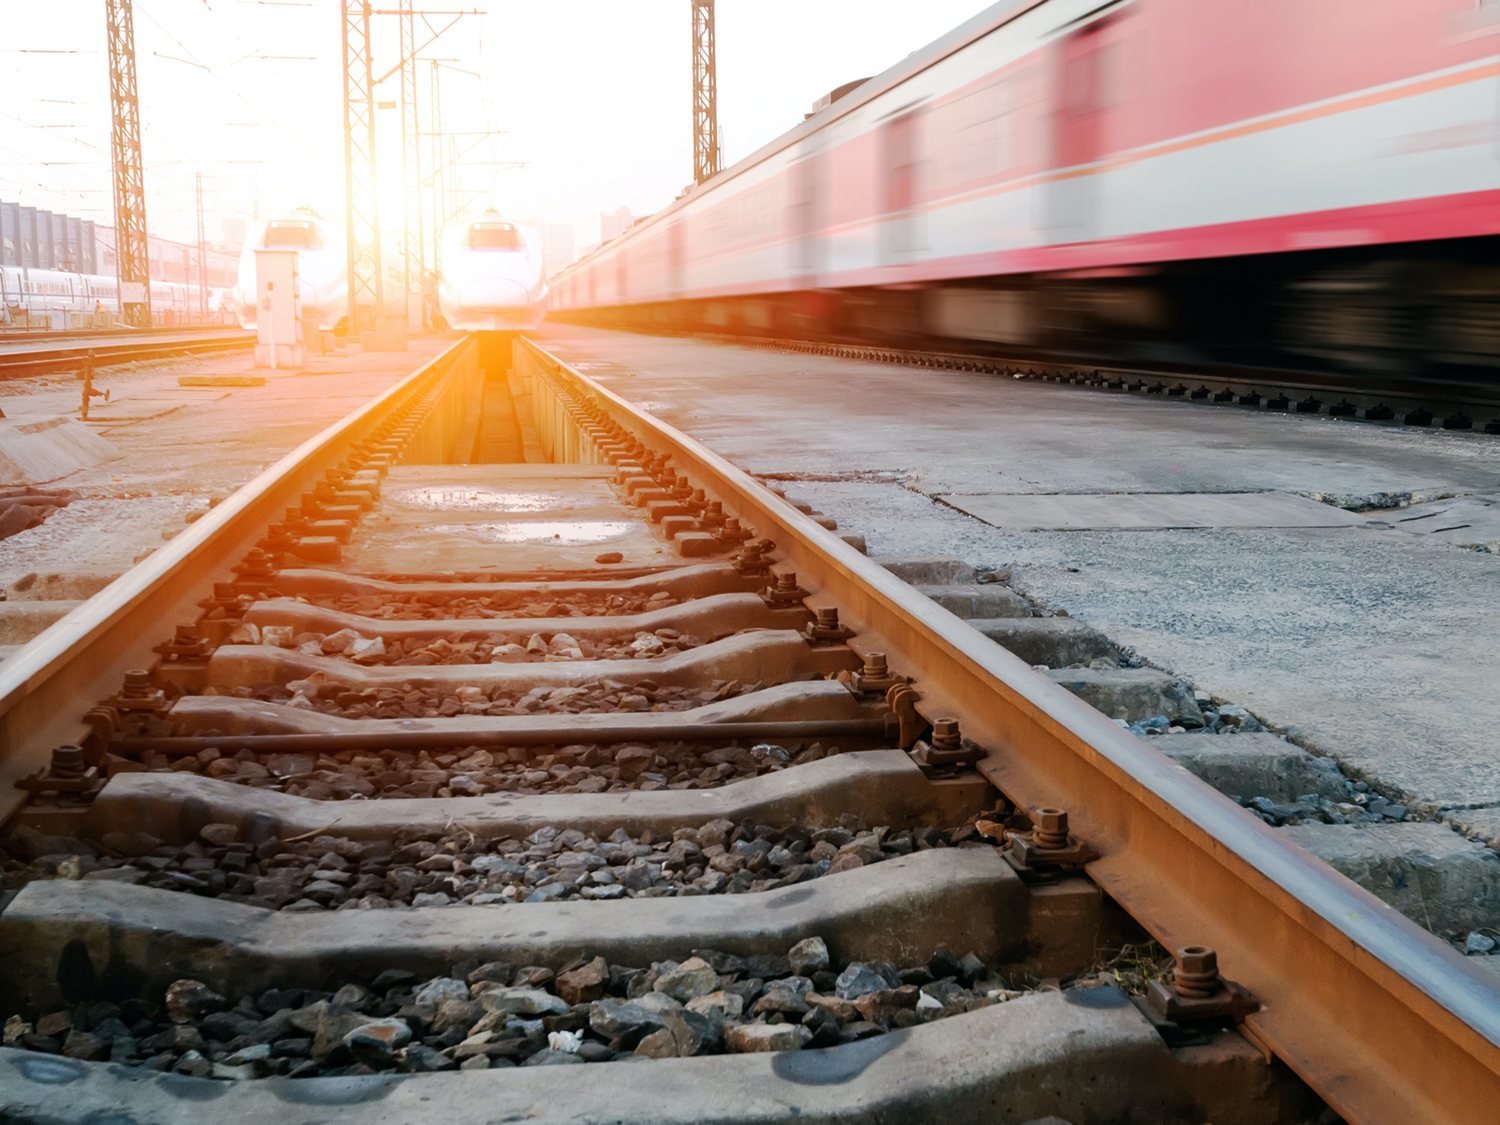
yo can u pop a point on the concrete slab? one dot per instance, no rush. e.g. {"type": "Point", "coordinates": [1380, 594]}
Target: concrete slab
{"type": "Point", "coordinates": [1478, 824]}
{"type": "Point", "coordinates": [710, 617]}
{"type": "Point", "coordinates": [1377, 647]}
{"type": "Point", "coordinates": [978, 601]}
{"type": "Point", "coordinates": [882, 786]}
{"type": "Point", "coordinates": [515, 518]}
{"type": "Point", "coordinates": [1427, 871]}
{"type": "Point", "coordinates": [766, 655]}
{"type": "Point", "coordinates": [1132, 694]}
{"type": "Point", "coordinates": [1083, 1056]}
{"type": "Point", "coordinates": [69, 937]}
{"type": "Point", "coordinates": [1149, 511]}
{"type": "Point", "coordinates": [1463, 521]}
{"type": "Point", "coordinates": [1253, 765]}
{"type": "Point", "coordinates": [1054, 641]}
{"type": "Point", "coordinates": [35, 451]}
{"type": "Point", "coordinates": [178, 449]}
{"type": "Point", "coordinates": [22, 620]}
{"type": "Point", "coordinates": [820, 699]}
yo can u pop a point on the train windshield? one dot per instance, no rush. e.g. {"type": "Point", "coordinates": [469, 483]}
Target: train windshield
{"type": "Point", "coordinates": [494, 236]}
{"type": "Point", "coordinates": [292, 235]}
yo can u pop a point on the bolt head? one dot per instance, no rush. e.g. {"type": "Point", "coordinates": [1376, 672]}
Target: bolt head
{"type": "Point", "coordinates": [1051, 820]}
{"type": "Point", "coordinates": [1197, 960]}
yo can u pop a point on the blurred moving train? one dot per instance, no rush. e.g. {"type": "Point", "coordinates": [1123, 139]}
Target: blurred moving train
{"type": "Point", "coordinates": [1276, 179]}
{"type": "Point", "coordinates": [322, 269]}
{"type": "Point", "coordinates": [491, 276]}
{"type": "Point", "coordinates": [61, 300]}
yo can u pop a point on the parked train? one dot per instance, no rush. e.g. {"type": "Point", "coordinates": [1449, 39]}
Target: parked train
{"type": "Point", "coordinates": [490, 276]}
{"type": "Point", "coordinates": [1159, 178]}
{"type": "Point", "coordinates": [322, 268]}
{"type": "Point", "coordinates": [59, 299]}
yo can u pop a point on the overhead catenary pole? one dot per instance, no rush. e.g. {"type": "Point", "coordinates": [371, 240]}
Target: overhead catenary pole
{"type": "Point", "coordinates": [705, 93]}
{"type": "Point", "coordinates": [435, 126]}
{"type": "Point", "coordinates": [132, 251]}
{"type": "Point", "coordinates": [202, 250]}
{"type": "Point", "coordinates": [361, 206]}
{"type": "Point", "coordinates": [415, 235]}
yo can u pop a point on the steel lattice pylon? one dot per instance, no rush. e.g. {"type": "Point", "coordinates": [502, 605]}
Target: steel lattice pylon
{"type": "Point", "coordinates": [361, 206]}
{"type": "Point", "coordinates": [705, 93]}
{"type": "Point", "coordinates": [414, 237]}
{"type": "Point", "coordinates": [132, 254]}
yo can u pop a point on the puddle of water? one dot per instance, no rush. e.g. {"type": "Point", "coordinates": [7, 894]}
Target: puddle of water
{"type": "Point", "coordinates": [560, 532]}
{"type": "Point", "coordinates": [435, 499]}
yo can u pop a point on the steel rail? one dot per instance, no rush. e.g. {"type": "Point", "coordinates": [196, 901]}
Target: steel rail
{"type": "Point", "coordinates": [1381, 1018]}
{"type": "Point", "coordinates": [81, 656]}
{"type": "Point", "coordinates": [22, 363]}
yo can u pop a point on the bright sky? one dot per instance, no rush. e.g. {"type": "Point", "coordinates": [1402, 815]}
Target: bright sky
{"type": "Point", "coordinates": [592, 95]}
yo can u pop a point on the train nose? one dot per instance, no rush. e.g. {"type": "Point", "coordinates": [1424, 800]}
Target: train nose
{"type": "Point", "coordinates": [493, 293]}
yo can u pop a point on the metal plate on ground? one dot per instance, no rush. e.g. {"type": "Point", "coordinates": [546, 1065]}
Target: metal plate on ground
{"type": "Point", "coordinates": [1149, 511]}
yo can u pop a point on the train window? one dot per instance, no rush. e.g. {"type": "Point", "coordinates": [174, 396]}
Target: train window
{"type": "Point", "coordinates": [494, 236]}
{"type": "Point", "coordinates": [292, 234]}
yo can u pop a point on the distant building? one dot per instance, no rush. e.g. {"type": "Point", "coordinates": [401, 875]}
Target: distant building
{"type": "Point", "coordinates": [557, 247]}
{"type": "Point", "coordinates": [39, 239]}
{"type": "Point", "coordinates": [614, 223]}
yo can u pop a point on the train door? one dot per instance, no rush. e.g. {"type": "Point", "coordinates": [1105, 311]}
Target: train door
{"type": "Point", "coordinates": [1086, 88]}
{"type": "Point", "coordinates": [805, 220]}
{"type": "Point", "coordinates": [676, 257]}
{"type": "Point", "coordinates": [899, 149]}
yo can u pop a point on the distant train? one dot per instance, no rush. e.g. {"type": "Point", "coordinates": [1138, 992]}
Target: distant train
{"type": "Point", "coordinates": [1160, 178]}
{"type": "Point", "coordinates": [59, 299]}
{"type": "Point", "coordinates": [322, 269]}
{"type": "Point", "coordinates": [490, 276]}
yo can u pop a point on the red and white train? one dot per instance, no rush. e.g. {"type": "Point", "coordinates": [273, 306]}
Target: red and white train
{"type": "Point", "coordinates": [1304, 177]}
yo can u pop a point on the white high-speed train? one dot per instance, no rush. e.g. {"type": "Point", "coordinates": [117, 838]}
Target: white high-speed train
{"type": "Point", "coordinates": [491, 276]}
{"type": "Point", "coordinates": [322, 268]}
{"type": "Point", "coordinates": [62, 299]}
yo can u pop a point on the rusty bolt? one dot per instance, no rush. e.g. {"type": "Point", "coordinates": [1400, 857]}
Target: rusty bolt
{"type": "Point", "coordinates": [137, 683]}
{"type": "Point", "coordinates": [875, 666]}
{"type": "Point", "coordinates": [68, 761]}
{"type": "Point", "coordinates": [1196, 972]}
{"type": "Point", "coordinates": [945, 734]}
{"type": "Point", "coordinates": [1051, 827]}
{"type": "Point", "coordinates": [828, 617]}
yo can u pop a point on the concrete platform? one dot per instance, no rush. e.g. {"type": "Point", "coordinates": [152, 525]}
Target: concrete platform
{"type": "Point", "coordinates": [1148, 511]}
{"type": "Point", "coordinates": [1373, 643]}
{"type": "Point", "coordinates": [511, 518]}
{"type": "Point", "coordinates": [39, 450]}
{"type": "Point", "coordinates": [177, 449]}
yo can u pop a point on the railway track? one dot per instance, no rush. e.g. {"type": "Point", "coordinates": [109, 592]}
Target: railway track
{"type": "Point", "coordinates": [394, 771]}
{"type": "Point", "coordinates": [22, 358]}
{"type": "Point", "coordinates": [1441, 404]}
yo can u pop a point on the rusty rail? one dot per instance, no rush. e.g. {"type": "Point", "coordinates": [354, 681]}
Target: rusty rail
{"type": "Point", "coordinates": [17, 362]}
{"type": "Point", "coordinates": [80, 656]}
{"type": "Point", "coordinates": [1380, 1017]}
